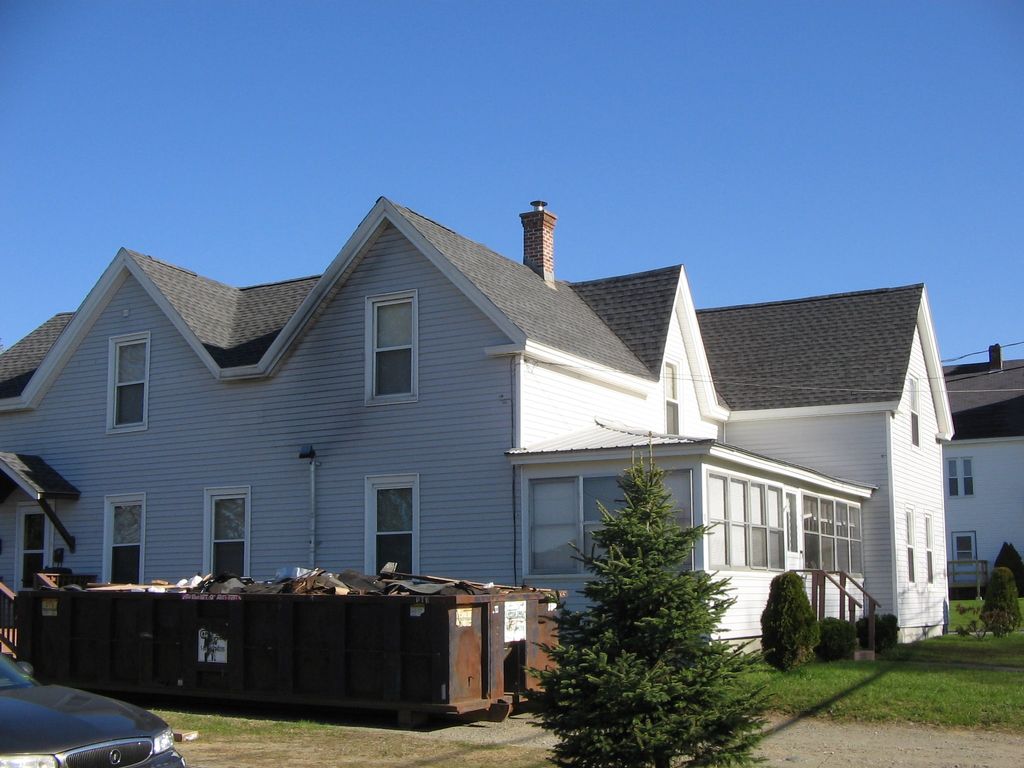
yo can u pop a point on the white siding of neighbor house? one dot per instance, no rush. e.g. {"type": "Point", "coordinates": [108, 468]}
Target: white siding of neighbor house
{"type": "Point", "coordinates": [204, 433]}
{"type": "Point", "coordinates": [852, 447]}
{"type": "Point", "coordinates": [996, 510]}
{"type": "Point", "coordinates": [917, 484]}
{"type": "Point", "coordinates": [557, 400]}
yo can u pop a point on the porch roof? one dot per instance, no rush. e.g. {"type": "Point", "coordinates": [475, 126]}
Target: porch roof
{"type": "Point", "coordinates": [34, 476]}
{"type": "Point", "coordinates": [606, 438]}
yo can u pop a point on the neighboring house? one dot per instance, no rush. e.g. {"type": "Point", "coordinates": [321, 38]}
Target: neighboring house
{"type": "Point", "coordinates": [430, 402]}
{"type": "Point", "coordinates": [984, 466]}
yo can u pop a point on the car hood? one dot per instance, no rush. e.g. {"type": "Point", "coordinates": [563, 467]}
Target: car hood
{"type": "Point", "coordinates": [50, 718]}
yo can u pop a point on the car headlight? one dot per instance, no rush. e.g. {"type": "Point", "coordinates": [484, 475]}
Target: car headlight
{"type": "Point", "coordinates": [162, 742]}
{"type": "Point", "coordinates": [28, 761]}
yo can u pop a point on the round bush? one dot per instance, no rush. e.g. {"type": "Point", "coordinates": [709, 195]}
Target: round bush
{"type": "Point", "coordinates": [838, 639]}
{"type": "Point", "coordinates": [789, 630]}
{"type": "Point", "coordinates": [1001, 612]}
{"type": "Point", "coordinates": [887, 632]}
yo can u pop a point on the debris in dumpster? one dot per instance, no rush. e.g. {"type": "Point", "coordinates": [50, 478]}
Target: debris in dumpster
{"type": "Point", "coordinates": [317, 581]}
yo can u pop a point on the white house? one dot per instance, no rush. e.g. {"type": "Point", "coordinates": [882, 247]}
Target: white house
{"type": "Point", "coordinates": [984, 466]}
{"type": "Point", "coordinates": [429, 401]}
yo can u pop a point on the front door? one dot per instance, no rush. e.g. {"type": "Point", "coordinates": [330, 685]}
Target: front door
{"type": "Point", "coordinates": [35, 540]}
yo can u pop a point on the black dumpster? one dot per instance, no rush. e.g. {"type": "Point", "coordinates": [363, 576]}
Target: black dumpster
{"type": "Point", "coordinates": [442, 654]}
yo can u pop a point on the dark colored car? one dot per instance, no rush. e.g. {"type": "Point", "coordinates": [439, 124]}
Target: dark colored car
{"type": "Point", "coordinates": [49, 726]}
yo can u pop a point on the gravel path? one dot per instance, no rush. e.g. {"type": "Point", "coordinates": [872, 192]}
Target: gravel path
{"type": "Point", "coordinates": [813, 742]}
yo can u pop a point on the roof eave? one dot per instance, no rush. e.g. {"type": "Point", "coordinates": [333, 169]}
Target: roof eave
{"type": "Point", "coordinates": [579, 366]}
{"type": "Point", "coordinates": [693, 342]}
{"type": "Point", "coordinates": [840, 409]}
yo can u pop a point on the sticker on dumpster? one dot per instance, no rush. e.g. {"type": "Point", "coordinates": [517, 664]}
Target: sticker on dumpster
{"type": "Point", "coordinates": [213, 649]}
{"type": "Point", "coordinates": [417, 610]}
{"type": "Point", "coordinates": [49, 606]}
{"type": "Point", "coordinates": [463, 617]}
{"type": "Point", "coordinates": [515, 621]}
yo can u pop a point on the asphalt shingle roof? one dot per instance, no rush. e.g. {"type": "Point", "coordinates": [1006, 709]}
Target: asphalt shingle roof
{"type": "Point", "coordinates": [984, 402]}
{"type": "Point", "coordinates": [638, 308]}
{"type": "Point", "coordinates": [823, 350]}
{"type": "Point", "coordinates": [18, 363]}
{"type": "Point", "coordinates": [557, 316]}
{"type": "Point", "coordinates": [37, 474]}
{"type": "Point", "coordinates": [236, 325]}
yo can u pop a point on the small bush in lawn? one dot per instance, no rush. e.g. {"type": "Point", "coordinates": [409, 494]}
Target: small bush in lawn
{"type": "Point", "coordinates": [972, 626]}
{"type": "Point", "coordinates": [838, 640]}
{"type": "Point", "coordinates": [1001, 614]}
{"type": "Point", "coordinates": [887, 632]}
{"type": "Point", "coordinates": [1009, 557]}
{"type": "Point", "coordinates": [789, 630]}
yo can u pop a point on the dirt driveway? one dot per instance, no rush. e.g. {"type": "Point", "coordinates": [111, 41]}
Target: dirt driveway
{"type": "Point", "coordinates": [519, 743]}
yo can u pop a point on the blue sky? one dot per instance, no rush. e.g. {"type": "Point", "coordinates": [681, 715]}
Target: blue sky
{"type": "Point", "coordinates": [776, 149]}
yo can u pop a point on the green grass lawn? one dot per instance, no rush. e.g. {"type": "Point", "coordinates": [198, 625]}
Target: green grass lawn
{"type": "Point", "coordinates": [935, 689]}
{"type": "Point", "coordinates": [956, 619]}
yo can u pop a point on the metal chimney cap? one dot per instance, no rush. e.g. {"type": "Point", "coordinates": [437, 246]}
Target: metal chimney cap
{"type": "Point", "coordinates": [538, 205]}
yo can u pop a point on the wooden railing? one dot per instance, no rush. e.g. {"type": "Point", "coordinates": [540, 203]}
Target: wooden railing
{"type": "Point", "coordinates": [8, 625]}
{"type": "Point", "coordinates": [964, 574]}
{"type": "Point", "coordinates": [848, 604]}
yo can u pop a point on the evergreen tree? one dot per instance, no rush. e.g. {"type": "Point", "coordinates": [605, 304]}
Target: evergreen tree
{"type": "Point", "coordinates": [1009, 557]}
{"type": "Point", "coordinates": [640, 679]}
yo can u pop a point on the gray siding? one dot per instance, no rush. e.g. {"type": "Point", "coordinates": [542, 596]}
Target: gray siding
{"type": "Point", "coordinates": [205, 433]}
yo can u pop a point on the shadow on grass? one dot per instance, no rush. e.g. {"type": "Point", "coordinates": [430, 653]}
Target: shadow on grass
{"type": "Point", "coordinates": [826, 704]}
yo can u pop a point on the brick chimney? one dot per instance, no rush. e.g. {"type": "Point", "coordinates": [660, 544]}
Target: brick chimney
{"type": "Point", "coordinates": [995, 358]}
{"type": "Point", "coordinates": [539, 240]}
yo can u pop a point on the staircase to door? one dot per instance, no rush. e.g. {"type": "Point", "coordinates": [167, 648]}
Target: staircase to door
{"type": "Point", "coordinates": [844, 600]}
{"type": "Point", "coordinates": [8, 625]}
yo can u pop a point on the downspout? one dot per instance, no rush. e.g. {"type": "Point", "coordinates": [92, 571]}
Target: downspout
{"type": "Point", "coordinates": [513, 365]}
{"type": "Point", "coordinates": [892, 515]}
{"type": "Point", "coordinates": [312, 512]}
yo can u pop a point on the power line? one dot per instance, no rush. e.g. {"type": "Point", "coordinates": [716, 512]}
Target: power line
{"type": "Point", "coordinates": [981, 352]}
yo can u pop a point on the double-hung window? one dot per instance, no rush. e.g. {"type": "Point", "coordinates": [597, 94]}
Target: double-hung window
{"type": "Point", "coordinates": [960, 477]}
{"type": "Point", "coordinates": [128, 382]}
{"type": "Point", "coordinates": [746, 524]}
{"type": "Point", "coordinates": [227, 516]}
{"type": "Point", "coordinates": [915, 410]}
{"type": "Point", "coordinates": [125, 539]}
{"type": "Point", "coordinates": [672, 398]}
{"type": "Point", "coordinates": [910, 544]}
{"type": "Point", "coordinates": [564, 512]}
{"type": "Point", "coordinates": [391, 348]}
{"type": "Point", "coordinates": [928, 547]}
{"type": "Point", "coordinates": [392, 522]}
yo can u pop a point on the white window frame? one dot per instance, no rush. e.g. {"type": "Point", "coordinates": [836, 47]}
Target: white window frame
{"type": "Point", "coordinates": [372, 484]}
{"type": "Point", "coordinates": [911, 545]}
{"type": "Point", "coordinates": [835, 502]}
{"type": "Point", "coordinates": [957, 476]}
{"type": "Point", "coordinates": [793, 521]}
{"type": "Point", "coordinates": [114, 344]}
{"type": "Point", "coordinates": [672, 398]}
{"type": "Point", "coordinates": [928, 538]}
{"type": "Point", "coordinates": [210, 495]}
{"type": "Point", "coordinates": [745, 520]}
{"type": "Point", "coordinates": [109, 502]}
{"type": "Point", "coordinates": [19, 540]}
{"type": "Point", "coordinates": [582, 526]}
{"type": "Point", "coordinates": [915, 410]}
{"type": "Point", "coordinates": [973, 535]}
{"type": "Point", "coordinates": [370, 344]}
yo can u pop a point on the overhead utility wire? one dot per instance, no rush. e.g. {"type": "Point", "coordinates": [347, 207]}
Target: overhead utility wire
{"type": "Point", "coordinates": [981, 352]}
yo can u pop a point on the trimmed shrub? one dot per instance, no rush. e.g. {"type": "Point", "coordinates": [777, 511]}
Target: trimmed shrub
{"type": "Point", "coordinates": [838, 639]}
{"type": "Point", "coordinates": [1009, 557]}
{"type": "Point", "coordinates": [887, 632]}
{"type": "Point", "coordinates": [1001, 613]}
{"type": "Point", "coordinates": [789, 630]}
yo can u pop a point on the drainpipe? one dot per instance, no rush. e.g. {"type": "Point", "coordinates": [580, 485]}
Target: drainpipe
{"type": "Point", "coordinates": [308, 452]}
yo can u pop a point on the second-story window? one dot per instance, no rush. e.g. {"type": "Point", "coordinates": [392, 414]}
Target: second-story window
{"type": "Point", "coordinates": [671, 399]}
{"type": "Point", "coordinates": [960, 477]}
{"type": "Point", "coordinates": [915, 410]}
{"type": "Point", "coordinates": [391, 348]}
{"type": "Point", "coordinates": [129, 382]}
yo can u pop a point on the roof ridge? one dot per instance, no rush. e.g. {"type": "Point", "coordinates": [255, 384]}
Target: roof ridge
{"type": "Point", "coordinates": [807, 299]}
{"type": "Point", "coordinates": [280, 282]}
{"type": "Point", "coordinates": [656, 271]}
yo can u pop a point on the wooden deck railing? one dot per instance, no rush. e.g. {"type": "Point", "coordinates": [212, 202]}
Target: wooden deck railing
{"type": "Point", "coordinates": [964, 574]}
{"type": "Point", "coordinates": [8, 625]}
{"type": "Point", "coordinates": [848, 604]}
